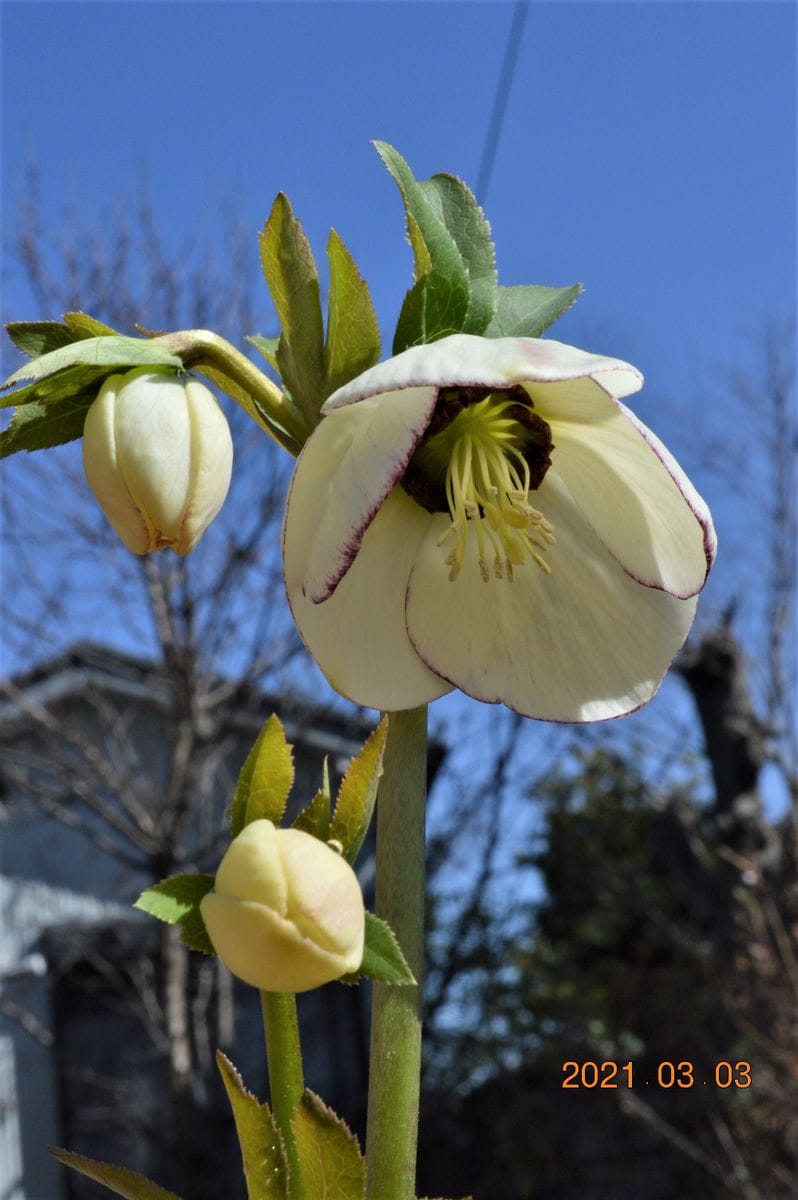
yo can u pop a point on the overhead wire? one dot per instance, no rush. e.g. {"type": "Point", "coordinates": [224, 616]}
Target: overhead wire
{"type": "Point", "coordinates": [503, 88]}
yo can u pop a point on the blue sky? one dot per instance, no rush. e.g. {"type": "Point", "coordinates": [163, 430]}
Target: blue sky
{"type": "Point", "coordinates": [648, 150]}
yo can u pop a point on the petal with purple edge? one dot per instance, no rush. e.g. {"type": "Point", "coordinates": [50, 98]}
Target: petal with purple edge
{"type": "Point", "coordinates": [464, 360]}
{"type": "Point", "coordinates": [627, 486]}
{"type": "Point", "coordinates": [585, 643]}
{"type": "Point", "coordinates": [358, 636]}
{"type": "Point", "coordinates": [348, 467]}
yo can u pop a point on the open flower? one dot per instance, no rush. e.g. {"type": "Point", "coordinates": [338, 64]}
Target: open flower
{"type": "Point", "coordinates": [158, 456]}
{"type": "Point", "coordinates": [286, 913]}
{"type": "Point", "coordinates": [485, 514]}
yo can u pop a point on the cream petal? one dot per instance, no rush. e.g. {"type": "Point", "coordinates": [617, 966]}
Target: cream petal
{"type": "Point", "coordinates": [349, 466]}
{"type": "Point", "coordinates": [358, 636]}
{"type": "Point", "coordinates": [627, 486]}
{"type": "Point", "coordinates": [153, 438]}
{"type": "Point", "coordinates": [464, 360]}
{"type": "Point", "coordinates": [103, 474]}
{"type": "Point", "coordinates": [264, 949]}
{"type": "Point", "coordinates": [583, 644]}
{"type": "Point", "coordinates": [211, 464]}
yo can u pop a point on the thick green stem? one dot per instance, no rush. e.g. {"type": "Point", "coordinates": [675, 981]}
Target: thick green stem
{"type": "Point", "coordinates": [286, 1082]}
{"type": "Point", "coordinates": [232, 371]}
{"type": "Point", "coordinates": [395, 1063]}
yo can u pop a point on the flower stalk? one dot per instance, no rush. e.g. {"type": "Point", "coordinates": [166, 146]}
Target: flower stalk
{"type": "Point", "coordinates": [395, 1060]}
{"type": "Point", "coordinates": [231, 370]}
{"type": "Point", "coordinates": [286, 1080]}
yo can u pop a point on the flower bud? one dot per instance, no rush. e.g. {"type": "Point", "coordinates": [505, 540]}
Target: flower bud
{"type": "Point", "coordinates": [158, 456]}
{"type": "Point", "coordinates": [287, 912]}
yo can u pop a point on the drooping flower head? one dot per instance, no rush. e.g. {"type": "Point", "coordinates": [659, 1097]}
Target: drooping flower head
{"type": "Point", "coordinates": [486, 514]}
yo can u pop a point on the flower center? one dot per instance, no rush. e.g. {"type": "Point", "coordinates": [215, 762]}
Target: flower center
{"type": "Point", "coordinates": [482, 455]}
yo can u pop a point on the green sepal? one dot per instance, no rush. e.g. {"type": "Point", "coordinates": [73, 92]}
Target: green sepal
{"type": "Point", "coordinates": [353, 334]}
{"type": "Point", "coordinates": [440, 299]}
{"type": "Point", "coordinates": [120, 1180]}
{"type": "Point", "coordinates": [383, 960]}
{"type": "Point", "coordinates": [176, 901]}
{"type": "Point", "coordinates": [290, 270]}
{"type": "Point", "coordinates": [112, 351]}
{"type": "Point", "coordinates": [262, 1152]}
{"type": "Point", "coordinates": [527, 310]}
{"type": "Point", "coordinates": [331, 1163]}
{"type": "Point", "coordinates": [315, 819]}
{"type": "Point", "coordinates": [354, 805]}
{"type": "Point", "coordinates": [265, 780]}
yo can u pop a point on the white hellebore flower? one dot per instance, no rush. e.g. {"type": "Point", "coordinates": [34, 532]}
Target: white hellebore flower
{"type": "Point", "coordinates": [287, 912]}
{"type": "Point", "coordinates": [158, 456]}
{"type": "Point", "coordinates": [485, 514]}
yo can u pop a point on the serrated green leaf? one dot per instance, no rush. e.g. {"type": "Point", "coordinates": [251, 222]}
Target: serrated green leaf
{"type": "Point", "coordinates": [63, 385]}
{"type": "Point", "coordinates": [439, 301]}
{"type": "Point", "coordinates": [82, 326]}
{"type": "Point", "coordinates": [265, 1168]}
{"type": "Point", "coordinates": [172, 898]}
{"type": "Point", "coordinates": [315, 819]}
{"type": "Point", "coordinates": [353, 335]}
{"type": "Point", "coordinates": [39, 426]}
{"type": "Point", "coordinates": [290, 271]}
{"type": "Point", "coordinates": [358, 792]}
{"type": "Point", "coordinates": [383, 959]}
{"type": "Point", "coordinates": [456, 206]}
{"type": "Point", "coordinates": [116, 351]}
{"type": "Point", "coordinates": [268, 348]}
{"type": "Point", "coordinates": [331, 1163]}
{"type": "Point", "coordinates": [265, 779]}
{"type": "Point", "coordinates": [38, 337]}
{"type": "Point", "coordinates": [528, 310]}
{"type": "Point", "coordinates": [194, 934]}
{"type": "Point", "coordinates": [119, 1180]}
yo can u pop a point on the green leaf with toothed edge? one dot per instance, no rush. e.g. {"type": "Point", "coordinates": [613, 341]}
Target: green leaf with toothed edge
{"type": "Point", "coordinates": [330, 1159]}
{"type": "Point", "coordinates": [529, 310]}
{"type": "Point", "coordinates": [383, 960]}
{"type": "Point", "coordinates": [116, 351]}
{"type": "Point", "coordinates": [290, 271]}
{"type": "Point", "coordinates": [440, 299]}
{"type": "Point", "coordinates": [176, 901]}
{"type": "Point", "coordinates": [456, 206]}
{"type": "Point", "coordinates": [267, 346]}
{"type": "Point", "coordinates": [315, 819]}
{"type": "Point", "coordinates": [63, 385]}
{"type": "Point", "coordinates": [265, 1167]}
{"type": "Point", "coordinates": [39, 426]}
{"type": "Point", "coordinates": [35, 338]}
{"type": "Point", "coordinates": [265, 780]}
{"type": "Point", "coordinates": [119, 1180]}
{"type": "Point", "coordinates": [353, 335]}
{"type": "Point", "coordinates": [358, 793]}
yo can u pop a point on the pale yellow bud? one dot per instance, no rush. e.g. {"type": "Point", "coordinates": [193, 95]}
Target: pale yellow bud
{"type": "Point", "coordinates": [287, 912]}
{"type": "Point", "coordinates": [158, 456]}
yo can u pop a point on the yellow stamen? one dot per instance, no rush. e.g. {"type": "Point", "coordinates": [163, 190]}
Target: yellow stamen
{"type": "Point", "coordinates": [487, 484]}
